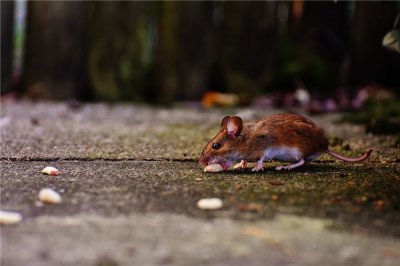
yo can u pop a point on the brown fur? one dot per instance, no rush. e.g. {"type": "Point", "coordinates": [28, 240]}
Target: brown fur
{"type": "Point", "coordinates": [251, 139]}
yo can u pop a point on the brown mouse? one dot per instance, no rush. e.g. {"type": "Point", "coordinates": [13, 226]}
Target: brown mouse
{"type": "Point", "coordinates": [282, 137]}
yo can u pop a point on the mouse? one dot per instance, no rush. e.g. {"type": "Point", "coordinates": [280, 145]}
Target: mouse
{"type": "Point", "coordinates": [290, 138]}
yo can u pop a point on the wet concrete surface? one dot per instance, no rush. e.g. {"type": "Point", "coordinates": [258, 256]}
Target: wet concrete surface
{"type": "Point", "coordinates": [130, 182]}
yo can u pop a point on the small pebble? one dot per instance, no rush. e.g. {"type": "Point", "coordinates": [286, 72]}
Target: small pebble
{"type": "Point", "coordinates": [210, 204]}
{"type": "Point", "coordinates": [50, 170]}
{"type": "Point", "coordinates": [38, 203]}
{"type": "Point", "coordinates": [7, 217]}
{"type": "Point", "coordinates": [47, 195]}
{"type": "Point", "coordinates": [213, 168]}
{"type": "Point", "coordinates": [274, 197]}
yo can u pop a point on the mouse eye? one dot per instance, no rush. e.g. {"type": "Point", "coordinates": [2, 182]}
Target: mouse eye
{"type": "Point", "coordinates": [216, 146]}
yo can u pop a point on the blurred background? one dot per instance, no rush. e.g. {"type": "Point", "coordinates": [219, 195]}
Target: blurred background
{"type": "Point", "coordinates": [323, 56]}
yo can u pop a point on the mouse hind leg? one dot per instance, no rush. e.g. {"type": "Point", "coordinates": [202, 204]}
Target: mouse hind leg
{"type": "Point", "coordinates": [290, 166]}
{"type": "Point", "coordinates": [299, 163]}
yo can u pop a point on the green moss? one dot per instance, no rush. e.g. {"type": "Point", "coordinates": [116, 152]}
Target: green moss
{"type": "Point", "coordinates": [350, 194]}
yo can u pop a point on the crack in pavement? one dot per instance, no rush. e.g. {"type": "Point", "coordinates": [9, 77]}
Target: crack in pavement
{"type": "Point", "coordinates": [85, 159]}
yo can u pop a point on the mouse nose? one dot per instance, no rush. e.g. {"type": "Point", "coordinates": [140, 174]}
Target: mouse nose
{"type": "Point", "coordinates": [204, 160]}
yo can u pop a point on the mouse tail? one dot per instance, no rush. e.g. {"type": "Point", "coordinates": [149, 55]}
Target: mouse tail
{"type": "Point", "coordinates": [349, 159]}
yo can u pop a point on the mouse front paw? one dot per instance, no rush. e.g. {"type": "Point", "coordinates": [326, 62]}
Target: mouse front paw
{"type": "Point", "coordinates": [258, 167]}
{"type": "Point", "coordinates": [242, 165]}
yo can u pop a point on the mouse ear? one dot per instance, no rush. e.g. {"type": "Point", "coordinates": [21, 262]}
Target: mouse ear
{"type": "Point", "coordinates": [234, 126]}
{"type": "Point", "coordinates": [225, 120]}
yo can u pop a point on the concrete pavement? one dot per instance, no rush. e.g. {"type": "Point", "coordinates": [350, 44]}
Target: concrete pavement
{"type": "Point", "coordinates": [130, 182]}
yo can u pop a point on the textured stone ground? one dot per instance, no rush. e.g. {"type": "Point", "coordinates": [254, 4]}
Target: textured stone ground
{"type": "Point", "coordinates": [130, 182]}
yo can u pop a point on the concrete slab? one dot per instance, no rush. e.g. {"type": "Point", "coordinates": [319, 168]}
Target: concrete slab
{"type": "Point", "coordinates": [172, 239]}
{"type": "Point", "coordinates": [52, 131]}
{"type": "Point", "coordinates": [144, 213]}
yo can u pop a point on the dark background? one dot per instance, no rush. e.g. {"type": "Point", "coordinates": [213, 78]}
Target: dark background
{"type": "Point", "coordinates": [162, 52]}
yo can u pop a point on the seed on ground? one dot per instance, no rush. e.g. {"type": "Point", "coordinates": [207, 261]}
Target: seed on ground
{"type": "Point", "coordinates": [7, 217]}
{"type": "Point", "coordinates": [50, 170]}
{"type": "Point", "coordinates": [210, 204]}
{"type": "Point", "coordinates": [212, 168]}
{"type": "Point", "coordinates": [47, 195]}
